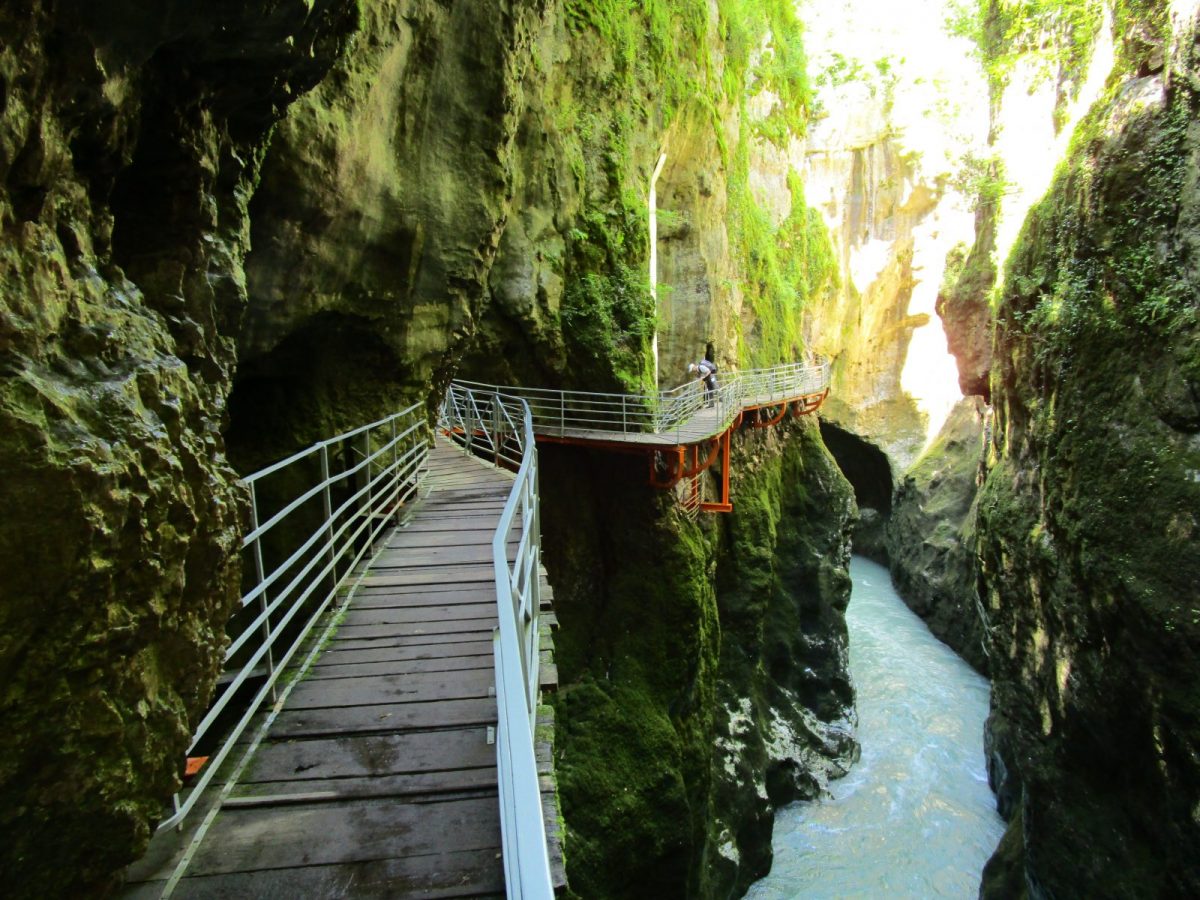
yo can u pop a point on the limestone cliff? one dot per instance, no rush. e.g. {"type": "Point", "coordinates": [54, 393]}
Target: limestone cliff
{"type": "Point", "coordinates": [1087, 519]}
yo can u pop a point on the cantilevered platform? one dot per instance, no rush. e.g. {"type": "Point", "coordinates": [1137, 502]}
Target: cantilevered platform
{"type": "Point", "coordinates": [377, 777]}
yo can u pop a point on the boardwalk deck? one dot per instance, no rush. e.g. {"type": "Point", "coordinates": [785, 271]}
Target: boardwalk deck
{"type": "Point", "coordinates": [377, 777]}
{"type": "Point", "coordinates": [705, 423]}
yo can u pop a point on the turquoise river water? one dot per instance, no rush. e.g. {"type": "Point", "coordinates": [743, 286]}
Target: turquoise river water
{"type": "Point", "coordinates": [914, 818]}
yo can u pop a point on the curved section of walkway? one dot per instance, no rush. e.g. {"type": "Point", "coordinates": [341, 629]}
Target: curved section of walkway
{"type": "Point", "coordinates": [682, 416]}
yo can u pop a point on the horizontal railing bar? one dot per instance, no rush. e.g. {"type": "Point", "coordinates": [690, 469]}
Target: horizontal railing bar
{"type": "Point", "coordinates": [301, 454]}
{"type": "Point", "coordinates": [323, 529]}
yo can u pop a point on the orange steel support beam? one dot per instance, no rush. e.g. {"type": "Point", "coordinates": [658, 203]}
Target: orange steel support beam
{"type": "Point", "coordinates": [725, 505]}
{"type": "Point", "coordinates": [673, 479]}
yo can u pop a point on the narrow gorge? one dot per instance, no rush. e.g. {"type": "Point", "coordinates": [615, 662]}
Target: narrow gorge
{"type": "Point", "coordinates": [231, 230]}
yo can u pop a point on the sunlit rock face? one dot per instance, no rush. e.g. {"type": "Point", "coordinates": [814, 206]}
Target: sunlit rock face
{"type": "Point", "coordinates": [1087, 520]}
{"type": "Point", "coordinates": [878, 165]}
{"type": "Point", "coordinates": [130, 139]}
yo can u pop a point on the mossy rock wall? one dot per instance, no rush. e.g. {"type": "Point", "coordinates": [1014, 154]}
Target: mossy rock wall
{"type": "Point", "coordinates": [931, 535]}
{"type": "Point", "coordinates": [702, 664]}
{"type": "Point", "coordinates": [785, 701]}
{"type": "Point", "coordinates": [130, 142]}
{"type": "Point", "coordinates": [1088, 536]}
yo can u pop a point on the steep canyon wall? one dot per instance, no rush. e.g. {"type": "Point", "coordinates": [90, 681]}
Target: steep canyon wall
{"type": "Point", "coordinates": [1087, 532]}
{"type": "Point", "coordinates": [229, 231]}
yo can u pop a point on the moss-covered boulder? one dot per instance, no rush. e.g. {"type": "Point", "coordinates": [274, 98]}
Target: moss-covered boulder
{"type": "Point", "coordinates": [785, 720]}
{"type": "Point", "coordinates": [1089, 541]}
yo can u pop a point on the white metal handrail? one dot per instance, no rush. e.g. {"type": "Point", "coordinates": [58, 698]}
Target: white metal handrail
{"type": "Point", "coordinates": [485, 423]}
{"type": "Point", "coordinates": [351, 489]}
{"type": "Point", "coordinates": [559, 413]}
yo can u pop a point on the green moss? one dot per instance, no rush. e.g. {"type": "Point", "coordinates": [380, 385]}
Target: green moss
{"type": "Point", "coordinates": [654, 58]}
{"type": "Point", "coordinates": [1057, 35]}
{"type": "Point", "coordinates": [784, 268]}
{"type": "Point", "coordinates": [1087, 517]}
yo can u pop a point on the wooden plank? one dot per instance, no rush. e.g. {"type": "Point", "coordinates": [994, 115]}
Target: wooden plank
{"type": "Point", "coordinates": [447, 784]}
{"type": "Point", "coordinates": [447, 554]}
{"type": "Point", "coordinates": [416, 629]}
{"type": "Point", "coordinates": [425, 613]}
{"type": "Point", "coordinates": [371, 754]}
{"type": "Point", "coordinates": [461, 873]}
{"type": "Point", "coordinates": [406, 667]}
{"type": "Point", "coordinates": [336, 656]}
{"type": "Point", "coordinates": [452, 522]}
{"type": "Point", "coordinates": [424, 686]}
{"type": "Point", "coordinates": [430, 575]}
{"type": "Point", "coordinates": [347, 831]}
{"type": "Point", "coordinates": [386, 599]}
{"type": "Point", "coordinates": [412, 540]}
{"type": "Point", "coordinates": [294, 723]}
{"type": "Point", "coordinates": [427, 592]}
{"type": "Point", "coordinates": [419, 640]}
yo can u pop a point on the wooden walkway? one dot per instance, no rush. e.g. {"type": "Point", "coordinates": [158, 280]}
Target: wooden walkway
{"type": "Point", "coordinates": [378, 776]}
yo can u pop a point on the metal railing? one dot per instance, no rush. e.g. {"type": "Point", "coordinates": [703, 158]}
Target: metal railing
{"type": "Point", "coordinates": [314, 516]}
{"type": "Point", "coordinates": [501, 429]}
{"type": "Point", "coordinates": [562, 413]}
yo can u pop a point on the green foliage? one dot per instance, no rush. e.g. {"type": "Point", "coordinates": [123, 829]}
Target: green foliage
{"type": "Point", "coordinates": [656, 42]}
{"type": "Point", "coordinates": [783, 267]}
{"type": "Point", "coordinates": [1114, 268]}
{"type": "Point", "coordinates": [1058, 34]}
{"type": "Point", "coordinates": [981, 178]}
{"type": "Point", "coordinates": [782, 69]}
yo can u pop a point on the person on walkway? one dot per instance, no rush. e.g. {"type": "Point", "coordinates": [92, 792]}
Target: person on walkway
{"type": "Point", "coordinates": [706, 371]}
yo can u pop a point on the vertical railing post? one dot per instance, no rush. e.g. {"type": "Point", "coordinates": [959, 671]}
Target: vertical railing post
{"type": "Point", "coordinates": [366, 452]}
{"type": "Point", "coordinates": [469, 420]}
{"type": "Point", "coordinates": [624, 420]}
{"type": "Point", "coordinates": [327, 504]}
{"type": "Point", "coordinates": [562, 413]}
{"type": "Point", "coordinates": [497, 421]}
{"type": "Point", "coordinates": [260, 574]}
{"type": "Point", "coordinates": [393, 483]}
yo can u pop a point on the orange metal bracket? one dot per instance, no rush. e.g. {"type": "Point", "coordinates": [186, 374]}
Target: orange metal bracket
{"type": "Point", "coordinates": [697, 466]}
{"type": "Point", "coordinates": [677, 469]}
{"type": "Point", "coordinates": [724, 505]}
{"type": "Point", "coordinates": [760, 423]}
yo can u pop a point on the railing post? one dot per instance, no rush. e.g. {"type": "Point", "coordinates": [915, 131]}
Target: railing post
{"type": "Point", "coordinates": [260, 574]}
{"type": "Point", "coordinates": [366, 452]}
{"type": "Point", "coordinates": [393, 483]}
{"type": "Point", "coordinates": [624, 422]}
{"type": "Point", "coordinates": [327, 503]}
{"type": "Point", "coordinates": [562, 413]}
{"type": "Point", "coordinates": [469, 421]}
{"type": "Point", "coordinates": [497, 420]}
